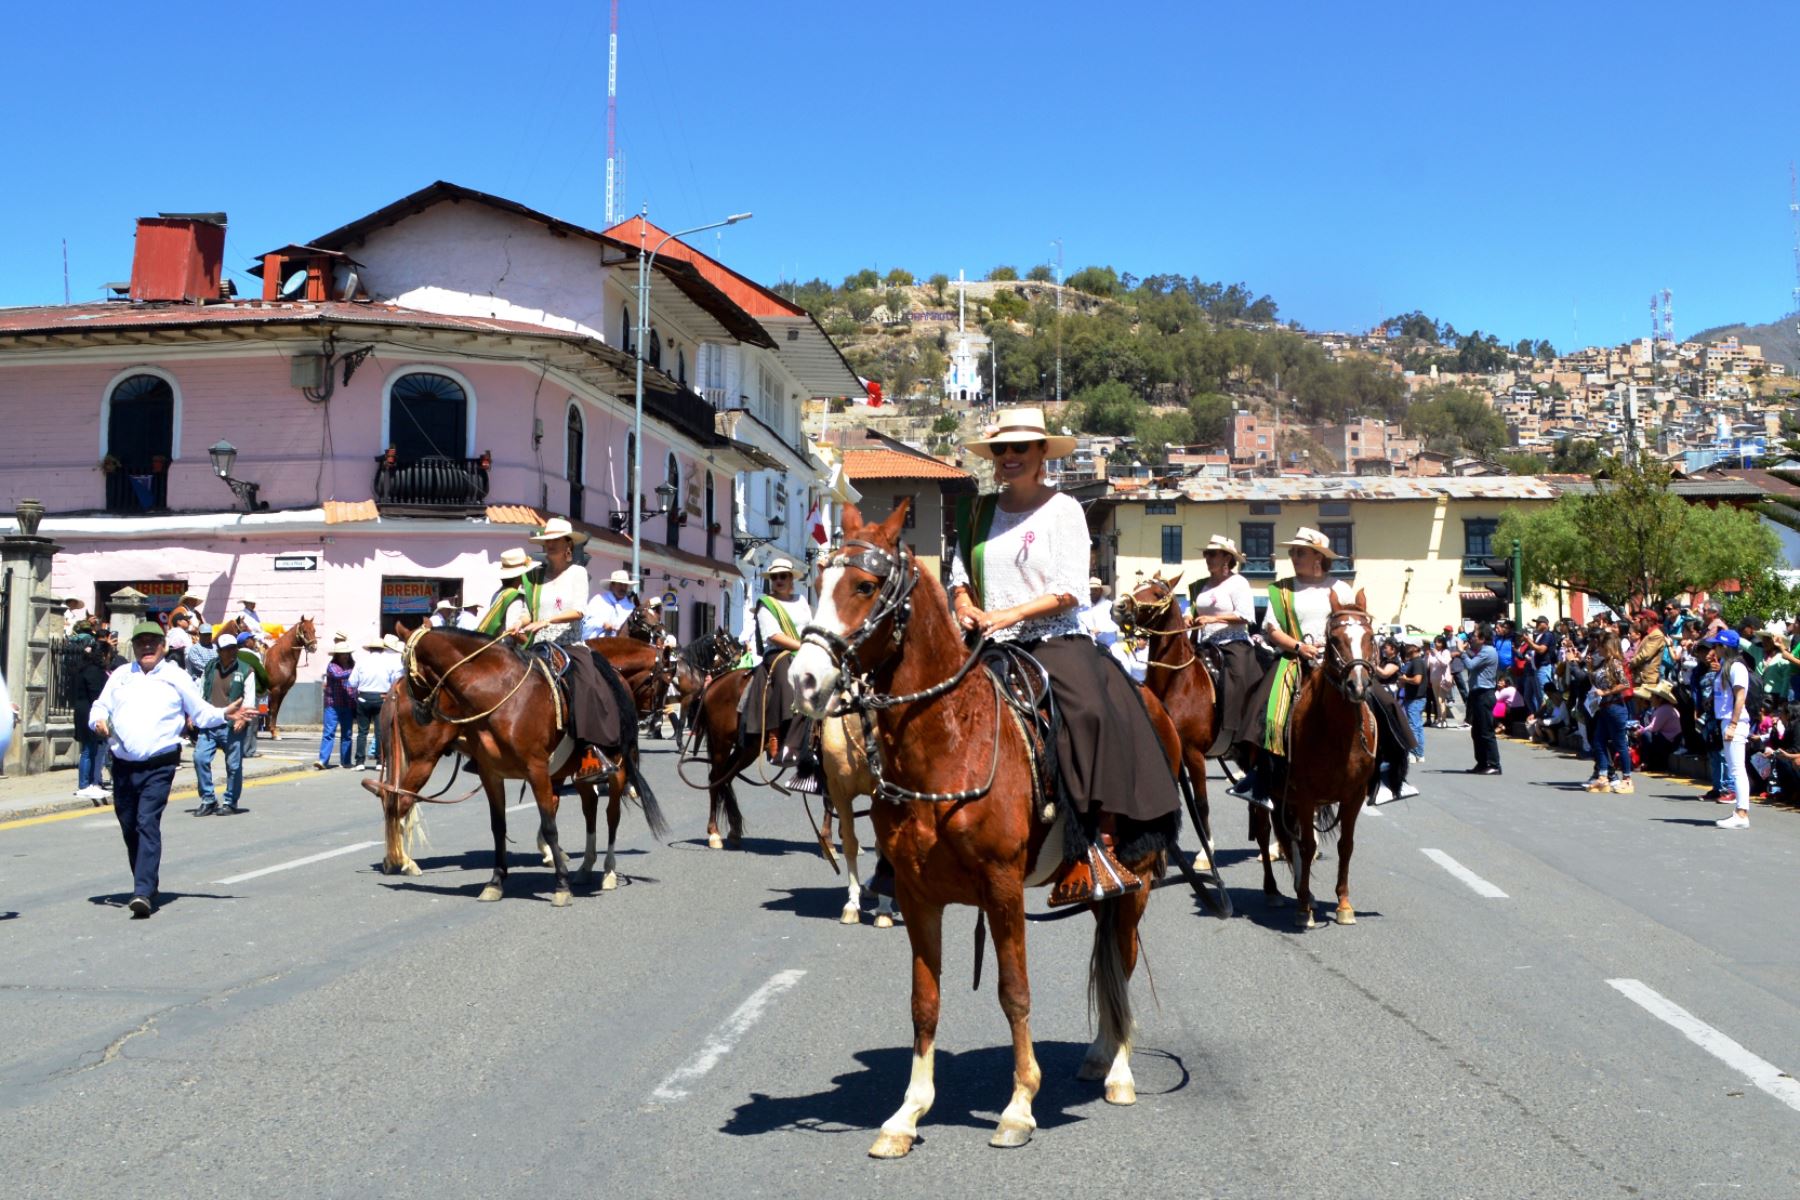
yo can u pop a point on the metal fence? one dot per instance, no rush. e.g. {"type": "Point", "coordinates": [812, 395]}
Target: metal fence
{"type": "Point", "coordinates": [65, 668]}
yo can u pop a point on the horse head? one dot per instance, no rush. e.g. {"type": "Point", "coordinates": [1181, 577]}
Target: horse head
{"type": "Point", "coordinates": [306, 635]}
{"type": "Point", "coordinates": [1350, 648]}
{"type": "Point", "coordinates": [1146, 606]}
{"type": "Point", "coordinates": [865, 586]}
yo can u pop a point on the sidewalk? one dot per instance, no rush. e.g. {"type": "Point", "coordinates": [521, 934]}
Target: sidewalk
{"type": "Point", "coordinates": [34, 795]}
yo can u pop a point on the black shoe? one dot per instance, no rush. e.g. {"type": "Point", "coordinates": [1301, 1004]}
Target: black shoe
{"type": "Point", "coordinates": [207, 810]}
{"type": "Point", "coordinates": [230, 810]}
{"type": "Point", "coordinates": [1485, 771]}
{"type": "Point", "coordinates": [140, 907]}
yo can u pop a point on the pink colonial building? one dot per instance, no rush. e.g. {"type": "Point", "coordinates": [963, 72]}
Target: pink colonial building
{"type": "Point", "coordinates": [412, 394]}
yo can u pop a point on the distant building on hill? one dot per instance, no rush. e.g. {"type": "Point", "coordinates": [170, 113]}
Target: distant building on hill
{"type": "Point", "coordinates": [962, 377]}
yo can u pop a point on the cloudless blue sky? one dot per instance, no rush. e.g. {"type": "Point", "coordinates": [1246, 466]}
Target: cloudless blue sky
{"type": "Point", "coordinates": [1501, 166]}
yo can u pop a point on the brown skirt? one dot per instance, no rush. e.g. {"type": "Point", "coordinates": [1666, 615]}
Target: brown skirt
{"type": "Point", "coordinates": [1109, 754]}
{"type": "Point", "coordinates": [1240, 681]}
{"type": "Point", "coordinates": [767, 705]}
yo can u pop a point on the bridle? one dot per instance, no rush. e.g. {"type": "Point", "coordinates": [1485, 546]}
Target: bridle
{"type": "Point", "coordinates": [1338, 666]}
{"type": "Point", "coordinates": [898, 574]}
{"type": "Point", "coordinates": [1144, 611]}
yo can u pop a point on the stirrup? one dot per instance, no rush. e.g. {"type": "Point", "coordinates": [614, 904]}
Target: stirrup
{"type": "Point", "coordinates": [594, 767]}
{"type": "Point", "coordinates": [1098, 876]}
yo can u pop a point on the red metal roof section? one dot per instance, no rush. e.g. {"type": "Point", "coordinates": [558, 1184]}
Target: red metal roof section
{"type": "Point", "coordinates": [177, 258]}
{"type": "Point", "coordinates": [892, 464]}
{"type": "Point", "coordinates": [749, 295]}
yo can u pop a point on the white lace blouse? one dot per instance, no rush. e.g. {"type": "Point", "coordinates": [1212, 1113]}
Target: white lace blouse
{"type": "Point", "coordinates": [1042, 552]}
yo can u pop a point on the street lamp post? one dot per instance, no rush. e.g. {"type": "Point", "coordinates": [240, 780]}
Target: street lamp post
{"type": "Point", "coordinates": [647, 259]}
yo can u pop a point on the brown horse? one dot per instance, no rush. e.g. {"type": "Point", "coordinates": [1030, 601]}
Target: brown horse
{"type": "Point", "coordinates": [845, 764]}
{"type": "Point", "coordinates": [957, 815]}
{"type": "Point", "coordinates": [281, 662]}
{"type": "Point", "coordinates": [501, 709]}
{"type": "Point", "coordinates": [713, 730]}
{"type": "Point", "coordinates": [1331, 767]}
{"type": "Point", "coordinates": [1177, 677]}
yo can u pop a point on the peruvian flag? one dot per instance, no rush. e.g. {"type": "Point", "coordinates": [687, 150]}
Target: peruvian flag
{"type": "Point", "coordinates": [874, 391]}
{"type": "Point", "coordinates": [815, 524]}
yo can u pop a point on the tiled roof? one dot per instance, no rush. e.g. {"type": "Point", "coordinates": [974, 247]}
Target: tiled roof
{"type": "Point", "coordinates": [76, 318]}
{"type": "Point", "coordinates": [883, 463]}
{"type": "Point", "coordinates": [1350, 487]}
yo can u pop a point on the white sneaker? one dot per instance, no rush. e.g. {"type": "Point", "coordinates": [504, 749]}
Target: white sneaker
{"type": "Point", "coordinates": [1383, 795]}
{"type": "Point", "coordinates": [1735, 821]}
{"type": "Point", "coordinates": [1408, 791]}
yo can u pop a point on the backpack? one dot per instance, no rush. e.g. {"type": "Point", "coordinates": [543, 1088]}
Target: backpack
{"type": "Point", "coordinates": [1755, 696]}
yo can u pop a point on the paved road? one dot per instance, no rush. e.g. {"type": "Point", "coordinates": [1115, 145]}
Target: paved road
{"type": "Point", "coordinates": [709, 1030]}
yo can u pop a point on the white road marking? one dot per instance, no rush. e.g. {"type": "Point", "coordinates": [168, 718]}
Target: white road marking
{"type": "Point", "coordinates": [1369, 810]}
{"type": "Point", "coordinates": [1477, 884]}
{"type": "Point", "coordinates": [1764, 1074]}
{"type": "Point", "coordinates": [724, 1038]}
{"type": "Point", "coordinates": [525, 804]}
{"type": "Point", "coordinates": [298, 862]}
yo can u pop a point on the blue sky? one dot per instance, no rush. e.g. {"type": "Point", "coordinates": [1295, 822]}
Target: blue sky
{"type": "Point", "coordinates": [1518, 168]}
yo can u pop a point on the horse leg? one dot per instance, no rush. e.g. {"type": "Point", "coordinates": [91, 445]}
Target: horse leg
{"type": "Point", "coordinates": [590, 812]}
{"type": "Point", "coordinates": [884, 903]}
{"type": "Point", "coordinates": [1006, 919]}
{"type": "Point", "coordinates": [925, 926]}
{"type": "Point", "coordinates": [275, 699]}
{"type": "Point", "coordinates": [1347, 814]}
{"type": "Point", "coordinates": [539, 779]}
{"type": "Point", "coordinates": [1302, 860]}
{"type": "Point", "coordinates": [852, 914]}
{"type": "Point", "coordinates": [1195, 759]}
{"type": "Point", "coordinates": [1259, 830]}
{"type": "Point", "coordinates": [609, 875]}
{"type": "Point", "coordinates": [495, 787]}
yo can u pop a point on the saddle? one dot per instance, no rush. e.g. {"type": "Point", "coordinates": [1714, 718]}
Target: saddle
{"type": "Point", "coordinates": [1025, 685]}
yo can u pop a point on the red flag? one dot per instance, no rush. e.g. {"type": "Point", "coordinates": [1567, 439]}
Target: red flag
{"type": "Point", "coordinates": [815, 524]}
{"type": "Point", "coordinates": [874, 390]}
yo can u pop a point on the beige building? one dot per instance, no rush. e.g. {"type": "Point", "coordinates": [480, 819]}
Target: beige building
{"type": "Point", "coordinates": [890, 472]}
{"type": "Point", "coordinates": [1416, 546]}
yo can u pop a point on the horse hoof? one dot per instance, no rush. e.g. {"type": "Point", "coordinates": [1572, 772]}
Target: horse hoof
{"type": "Point", "coordinates": [609, 882]}
{"type": "Point", "coordinates": [1202, 863]}
{"type": "Point", "coordinates": [1274, 900]}
{"type": "Point", "coordinates": [1346, 916]}
{"type": "Point", "coordinates": [1304, 918]}
{"type": "Point", "coordinates": [715, 841]}
{"type": "Point", "coordinates": [883, 921]}
{"type": "Point", "coordinates": [409, 867]}
{"type": "Point", "coordinates": [1122, 1092]}
{"type": "Point", "coordinates": [489, 894]}
{"type": "Point", "coordinates": [735, 841]}
{"type": "Point", "coordinates": [850, 916]}
{"type": "Point", "coordinates": [561, 900]}
{"type": "Point", "coordinates": [1010, 1137]}
{"type": "Point", "coordinates": [892, 1145]}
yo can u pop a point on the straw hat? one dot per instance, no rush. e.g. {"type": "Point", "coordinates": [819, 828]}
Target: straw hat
{"type": "Point", "coordinates": [780, 566]}
{"type": "Point", "coordinates": [1021, 425]}
{"type": "Point", "coordinates": [1660, 690]}
{"type": "Point", "coordinates": [445, 606]}
{"type": "Point", "coordinates": [186, 596]}
{"type": "Point", "coordinates": [340, 643]}
{"type": "Point", "coordinates": [1094, 585]}
{"type": "Point", "coordinates": [390, 642]}
{"type": "Point", "coordinates": [653, 602]}
{"type": "Point", "coordinates": [557, 527]}
{"type": "Point", "coordinates": [1224, 545]}
{"type": "Point", "coordinates": [375, 643]}
{"type": "Point", "coordinates": [514, 563]}
{"type": "Point", "coordinates": [1311, 539]}
{"type": "Point", "coordinates": [620, 576]}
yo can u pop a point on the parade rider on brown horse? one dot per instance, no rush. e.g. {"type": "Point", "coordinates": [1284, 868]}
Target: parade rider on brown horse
{"type": "Point", "coordinates": [545, 606]}
{"type": "Point", "coordinates": [1018, 576]}
{"type": "Point", "coordinates": [766, 716]}
{"type": "Point", "coordinates": [1300, 609]}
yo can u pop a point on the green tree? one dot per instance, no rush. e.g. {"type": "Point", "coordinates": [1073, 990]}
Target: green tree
{"type": "Point", "coordinates": [1042, 273]}
{"type": "Point", "coordinates": [1109, 407]}
{"type": "Point", "coordinates": [946, 423]}
{"type": "Point", "coordinates": [1008, 305]}
{"type": "Point", "coordinates": [865, 280]}
{"type": "Point", "coordinates": [1522, 464]}
{"type": "Point", "coordinates": [1452, 420]}
{"type": "Point", "coordinates": [860, 304]}
{"type": "Point", "coordinates": [1096, 281]}
{"type": "Point", "coordinates": [1003, 274]}
{"type": "Point", "coordinates": [897, 306]}
{"type": "Point", "coordinates": [1576, 456]}
{"type": "Point", "coordinates": [1632, 540]}
{"type": "Point", "coordinates": [938, 283]}
{"type": "Point", "coordinates": [1212, 416]}
{"type": "Point", "coordinates": [899, 277]}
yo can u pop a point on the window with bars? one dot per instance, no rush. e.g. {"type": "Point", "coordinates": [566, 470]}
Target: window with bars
{"type": "Point", "coordinates": [1171, 543]}
{"type": "Point", "coordinates": [1343, 544]}
{"type": "Point", "coordinates": [1257, 541]}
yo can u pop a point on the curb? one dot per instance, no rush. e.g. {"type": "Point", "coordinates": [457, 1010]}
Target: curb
{"type": "Point", "coordinates": [61, 804]}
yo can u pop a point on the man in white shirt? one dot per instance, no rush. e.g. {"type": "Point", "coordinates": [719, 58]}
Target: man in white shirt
{"type": "Point", "coordinates": [142, 713]}
{"type": "Point", "coordinates": [608, 611]}
{"type": "Point", "coordinates": [180, 637]}
{"type": "Point", "coordinates": [470, 616]}
{"type": "Point", "coordinates": [443, 616]}
{"type": "Point", "coordinates": [1096, 615]}
{"type": "Point", "coordinates": [253, 624]}
{"type": "Point", "coordinates": [375, 671]}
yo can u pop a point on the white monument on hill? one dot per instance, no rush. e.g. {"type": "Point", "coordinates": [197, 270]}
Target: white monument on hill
{"type": "Point", "coordinates": [962, 377]}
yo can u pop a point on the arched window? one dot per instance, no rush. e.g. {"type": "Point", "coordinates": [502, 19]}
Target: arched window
{"type": "Point", "coordinates": [673, 474]}
{"type": "Point", "coordinates": [625, 327]}
{"type": "Point", "coordinates": [427, 417]}
{"type": "Point", "coordinates": [655, 349]}
{"type": "Point", "coordinates": [681, 363]}
{"type": "Point", "coordinates": [575, 462]}
{"type": "Point", "coordinates": [711, 519]}
{"type": "Point", "coordinates": [140, 441]}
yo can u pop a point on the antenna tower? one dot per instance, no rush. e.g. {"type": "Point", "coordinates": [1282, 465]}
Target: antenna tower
{"type": "Point", "coordinates": [1655, 323]}
{"type": "Point", "coordinates": [1668, 330]}
{"type": "Point", "coordinates": [612, 113]}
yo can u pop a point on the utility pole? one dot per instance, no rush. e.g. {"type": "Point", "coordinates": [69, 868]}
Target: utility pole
{"type": "Point", "coordinates": [1057, 242]}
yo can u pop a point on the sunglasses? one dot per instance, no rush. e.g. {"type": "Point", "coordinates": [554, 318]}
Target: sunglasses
{"type": "Point", "coordinates": [1002, 449]}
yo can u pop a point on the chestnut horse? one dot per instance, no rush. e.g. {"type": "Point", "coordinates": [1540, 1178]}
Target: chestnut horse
{"type": "Point", "coordinates": [281, 662]}
{"type": "Point", "coordinates": [501, 709]}
{"type": "Point", "coordinates": [1180, 680]}
{"type": "Point", "coordinates": [845, 765]}
{"type": "Point", "coordinates": [1331, 768]}
{"type": "Point", "coordinates": [956, 812]}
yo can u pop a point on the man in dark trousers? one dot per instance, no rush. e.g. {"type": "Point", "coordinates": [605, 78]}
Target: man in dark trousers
{"type": "Point", "coordinates": [142, 713]}
{"type": "Point", "coordinates": [1483, 667]}
{"type": "Point", "coordinates": [227, 680]}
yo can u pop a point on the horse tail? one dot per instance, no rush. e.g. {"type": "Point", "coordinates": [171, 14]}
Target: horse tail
{"type": "Point", "coordinates": [628, 746]}
{"type": "Point", "coordinates": [1109, 988]}
{"type": "Point", "coordinates": [659, 828]}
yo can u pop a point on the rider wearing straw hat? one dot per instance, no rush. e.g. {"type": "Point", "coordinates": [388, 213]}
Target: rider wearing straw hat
{"type": "Point", "coordinates": [767, 706]}
{"type": "Point", "coordinates": [514, 600]}
{"type": "Point", "coordinates": [1222, 613]}
{"type": "Point", "coordinates": [608, 610]}
{"type": "Point", "coordinates": [1018, 576]}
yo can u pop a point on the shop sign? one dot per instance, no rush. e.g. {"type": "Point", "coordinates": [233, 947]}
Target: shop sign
{"type": "Point", "coordinates": [296, 562]}
{"type": "Point", "coordinates": [408, 596]}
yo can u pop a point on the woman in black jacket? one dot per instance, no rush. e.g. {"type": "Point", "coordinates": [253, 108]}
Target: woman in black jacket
{"type": "Point", "coordinates": [91, 669]}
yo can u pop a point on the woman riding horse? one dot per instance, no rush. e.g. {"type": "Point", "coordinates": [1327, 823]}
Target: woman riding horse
{"type": "Point", "coordinates": [1300, 608]}
{"type": "Point", "coordinates": [1020, 569]}
{"type": "Point", "coordinates": [1222, 614]}
{"type": "Point", "coordinates": [766, 716]}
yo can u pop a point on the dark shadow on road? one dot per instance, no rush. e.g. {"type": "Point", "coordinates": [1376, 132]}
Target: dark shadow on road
{"type": "Point", "coordinates": [1703, 822]}
{"type": "Point", "coordinates": [768, 847]}
{"type": "Point", "coordinates": [163, 899]}
{"type": "Point", "coordinates": [822, 903]}
{"type": "Point", "coordinates": [972, 1087]}
{"type": "Point", "coordinates": [9, 916]}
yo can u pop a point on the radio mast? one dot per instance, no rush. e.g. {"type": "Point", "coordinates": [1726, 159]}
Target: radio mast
{"type": "Point", "coordinates": [612, 113]}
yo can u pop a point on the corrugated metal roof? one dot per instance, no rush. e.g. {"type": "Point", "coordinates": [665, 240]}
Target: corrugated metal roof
{"type": "Point", "coordinates": [883, 463]}
{"type": "Point", "coordinates": [1315, 488]}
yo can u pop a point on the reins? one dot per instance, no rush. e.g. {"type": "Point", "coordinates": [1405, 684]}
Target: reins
{"type": "Point", "coordinates": [429, 700]}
